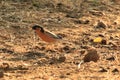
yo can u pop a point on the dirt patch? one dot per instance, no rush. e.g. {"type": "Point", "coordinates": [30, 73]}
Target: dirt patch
{"type": "Point", "coordinates": [89, 25]}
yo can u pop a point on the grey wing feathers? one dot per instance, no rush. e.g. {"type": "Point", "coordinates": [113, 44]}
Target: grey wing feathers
{"type": "Point", "coordinates": [53, 35]}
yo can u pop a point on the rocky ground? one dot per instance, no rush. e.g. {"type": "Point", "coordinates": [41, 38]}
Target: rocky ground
{"type": "Point", "coordinates": [89, 50]}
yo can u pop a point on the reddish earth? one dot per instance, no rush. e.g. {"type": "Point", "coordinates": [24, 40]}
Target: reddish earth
{"type": "Point", "coordinates": [90, 31]}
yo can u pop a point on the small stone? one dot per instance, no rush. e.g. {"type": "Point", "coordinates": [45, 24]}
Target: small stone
{"type": "Point", "coordinates": [101, 24]}
{"type": "Point", "coordinates": [81, 21]}
{"type": "Point", "coordinates": [86, 21]}
{"type": "Point", "coordinates": [103, 70]}
{"type": "Point", "coordinates": [91, 56]}
{"type": "Point", "coordinates": [67, 73]}
{"type": "Point", "coordinates": [67, 49]}
{"type": "Point", "coordinates": [62, 76]}
{"type": "Point", "coordinates": [101, 35]}
{"type": "Point", "coordinates": [117, 21]}
{"type": "Point", "coordinates": [115, 70]}
{"type": "Point", "coordinates": [112, 58]}
{"type": "Point", "coordinates": [82, 52]}
{"type": "Point", "coordinates": [104, 42]}
{"type": "Point", "coordinates": [62, 59]}
{"type": "Point", "coordinates": [39, 48]}
{"type": "Point", "coordinates": [53, 60]}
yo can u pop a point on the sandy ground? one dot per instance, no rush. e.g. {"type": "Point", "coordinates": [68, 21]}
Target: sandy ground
{"type": "Point", "coordinates": [91, 33]}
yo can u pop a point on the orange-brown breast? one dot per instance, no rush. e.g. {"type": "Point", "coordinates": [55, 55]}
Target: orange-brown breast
{"type": "Point", "coordinates": [45, 37]}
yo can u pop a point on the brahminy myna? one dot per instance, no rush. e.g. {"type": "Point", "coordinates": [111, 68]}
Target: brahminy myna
{"type": "Point", "coordinates": [45, 35]}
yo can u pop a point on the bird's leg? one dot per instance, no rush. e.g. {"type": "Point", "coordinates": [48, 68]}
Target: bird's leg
{"type": "Point", "coordinates": [50, 46]}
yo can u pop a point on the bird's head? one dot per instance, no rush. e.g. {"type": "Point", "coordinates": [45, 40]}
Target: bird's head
{"type": "Point", "coordinates": [37, 27]}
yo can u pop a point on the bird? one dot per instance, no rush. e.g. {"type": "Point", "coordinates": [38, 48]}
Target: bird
{"type": "Point", "coordinates": [46, 35]}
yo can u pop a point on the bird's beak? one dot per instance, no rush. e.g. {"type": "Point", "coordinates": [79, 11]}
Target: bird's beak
{"type": "Point", "coordinates": [34, 28]}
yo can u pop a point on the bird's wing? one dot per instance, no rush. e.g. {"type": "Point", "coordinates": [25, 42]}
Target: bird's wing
{"type": "Point", "coordinates": [52, 35]}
